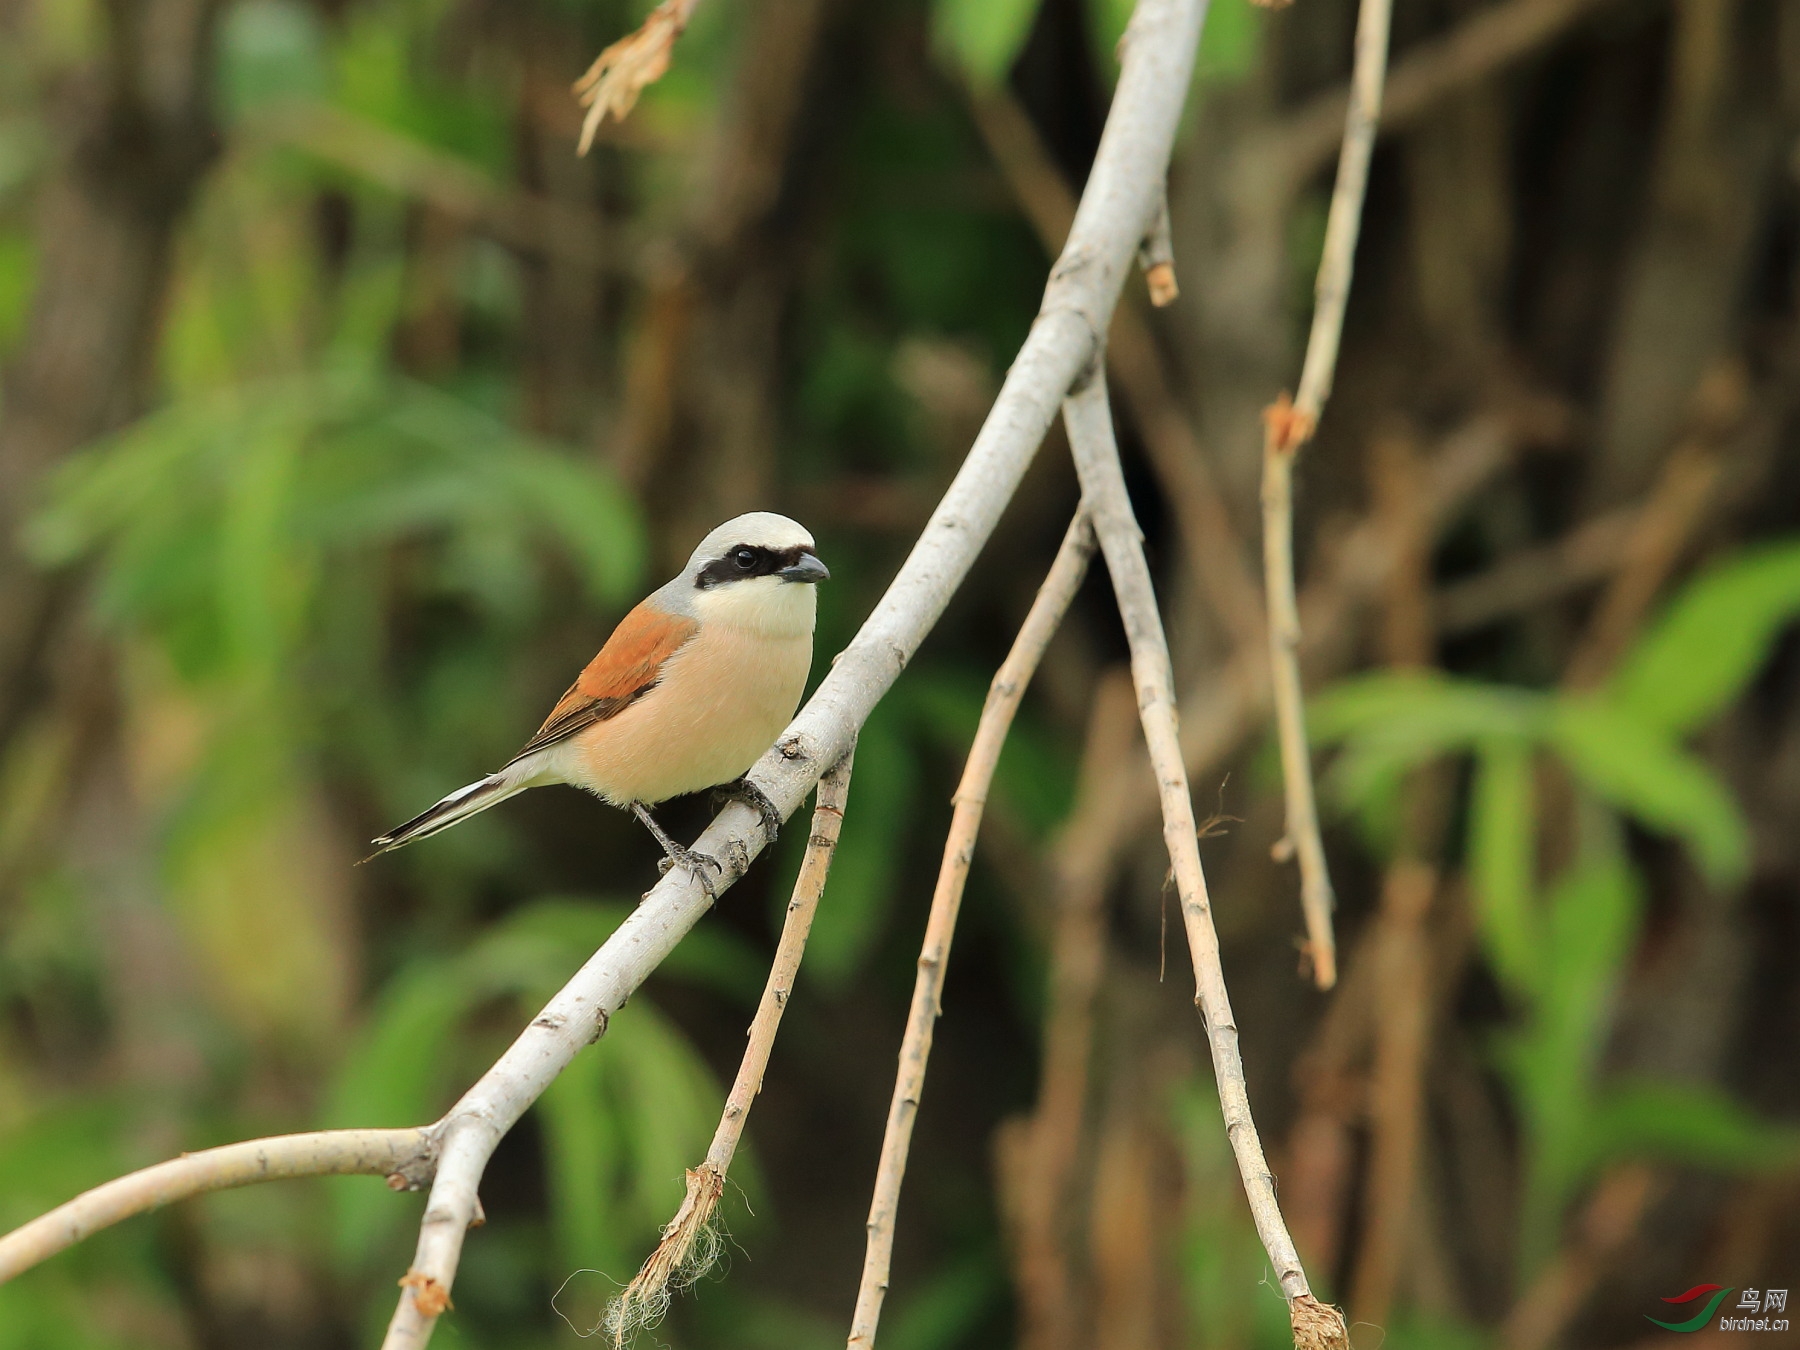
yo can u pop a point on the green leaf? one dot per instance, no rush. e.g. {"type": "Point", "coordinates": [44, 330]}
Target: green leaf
{"type": "Point", "coordinates": [982, 38]}
{"type": "Point", "coordinates": [1502, 858]}
{"type": "Point", "coordinates": [1591, 923]}
{"type": "Point", "coordinates": [1689, 1124]}
{"type": "Point", "coordinates": [1231, 42]}
{"type": "Point", "coordinates": [1389, 723]}
{"type": "Point", "coordinates": [1710, 640]}
{"type": "Point", "coordinates": [584, 1162]}
{"type": "Point", "coordinates": [1636, 768]}
{"type": "Point", "coordinates": [399, 1072]}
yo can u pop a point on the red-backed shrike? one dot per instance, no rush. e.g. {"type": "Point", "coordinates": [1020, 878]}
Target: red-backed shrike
{"type": "Point", "coordinates": [690, 689]}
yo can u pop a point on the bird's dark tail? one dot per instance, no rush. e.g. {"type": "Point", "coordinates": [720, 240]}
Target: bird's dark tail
{"type": "Point", "coordinates": [458, 806]}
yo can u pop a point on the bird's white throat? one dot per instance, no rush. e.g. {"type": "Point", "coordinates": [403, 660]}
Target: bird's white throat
{"type": "Point", "coordinates": [765, 605]}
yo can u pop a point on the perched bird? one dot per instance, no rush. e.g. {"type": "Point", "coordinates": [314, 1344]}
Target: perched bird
{"type": "Point", "coordinates": [688, 692]}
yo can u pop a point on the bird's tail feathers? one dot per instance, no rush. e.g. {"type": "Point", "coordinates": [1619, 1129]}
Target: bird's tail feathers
{"type": "Point", "coordinates": [458, 806]}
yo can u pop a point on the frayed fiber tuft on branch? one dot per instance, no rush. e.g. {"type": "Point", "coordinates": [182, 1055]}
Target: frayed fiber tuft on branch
{"type": "Point", "coordinates": [689, 1247]}
{"type": "Point", "coordinates": [625, 69]}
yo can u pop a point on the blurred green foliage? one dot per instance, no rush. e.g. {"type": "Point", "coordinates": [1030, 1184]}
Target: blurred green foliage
{"type": "Point", "coordinates": [1560, 945]}
{"type": "Point", "coordinates": [337, 582]}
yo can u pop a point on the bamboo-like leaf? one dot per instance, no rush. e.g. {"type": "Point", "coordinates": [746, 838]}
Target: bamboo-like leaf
{"type": "Point", "coordinates": [982, 37]}
{"type": "Point", "coordinates": [1502, 854]}
{"type": "Point", "coordinates": [1688, 1123]}
{"type": "Point", "coordinates": [1635, 767]}
{"type": "Point", "coordinates": [1710, 641]}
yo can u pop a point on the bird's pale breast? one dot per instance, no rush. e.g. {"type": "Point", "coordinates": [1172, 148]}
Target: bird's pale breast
{"type": "Point", "coordinates": [721, 702]}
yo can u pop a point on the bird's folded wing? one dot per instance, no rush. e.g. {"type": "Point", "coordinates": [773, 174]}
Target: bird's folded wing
{"type": "Point", "coordinates": [627, 668]}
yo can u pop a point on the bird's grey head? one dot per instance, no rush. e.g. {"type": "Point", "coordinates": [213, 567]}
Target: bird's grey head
{"type": "Point", "coordinates": [754, 572]}
{"type": "Point", "coordinates": [760, 544]}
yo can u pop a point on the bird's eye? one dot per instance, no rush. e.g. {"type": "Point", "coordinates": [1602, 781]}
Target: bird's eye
{"type": "Point", "coordinates": [745, 558]}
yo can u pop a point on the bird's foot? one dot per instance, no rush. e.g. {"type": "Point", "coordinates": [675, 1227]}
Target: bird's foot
{"type": "Point", "coordinates": [675, 855]}
{"type": "Point", "coordinates": [743, 790]}
{"type": "Point", "coordinates": [696, 863]}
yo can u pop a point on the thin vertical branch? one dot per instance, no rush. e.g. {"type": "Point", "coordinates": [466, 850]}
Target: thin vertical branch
{"type": "Point", "coordinates": [1157, 258]}
{"type": "Point", "coordinates": [1008, 688]}
{"type": "Point", "coordinates": [688, 1244]}
{"type": "Point", "coordinates": [1089, 421]}
{"type": "Point", "coordinates": [1286, 428]}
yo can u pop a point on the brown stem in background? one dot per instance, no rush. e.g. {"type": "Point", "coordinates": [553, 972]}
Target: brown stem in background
{"type": "Point", "coordinates": [1663, 527]}
{"type": "Point", "coordinates": [1607, 1223]}
{"type": "Point", "coordinates": [1089, 422]}
{"type": "Point", "coordinates": [689, 1245]}
{"type": "Point", "coordinates": [1532, 576]}
{"type": "Point", "coordinates": [526, 221]}
{"type": "Point", "coordinates": [138, 137]}
{"type": "Point", "coordinates": [1430, 71]}
{"type": "Point", "coordinates": [1038, 1155]}
{"type": "Point", "coordinates": [1400, 948]}
{"type": "Point", "coordinates": [1053, 599]}
{"type": "Point", "coordinates": [1135, 364]}
{"type": "Point", "coordinates": [699, 423]}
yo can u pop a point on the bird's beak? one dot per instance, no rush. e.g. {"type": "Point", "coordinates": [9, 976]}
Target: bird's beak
{"type": "Point", "coordinates": [807, 569]}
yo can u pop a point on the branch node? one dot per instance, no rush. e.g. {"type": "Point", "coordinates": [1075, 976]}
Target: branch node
{"type": "Point", "coordinates": [430, 1296]}
{"type": "Point", "coordinates": [1156, 255]}
{"type": "Point", "coordinates": [1287, 427]}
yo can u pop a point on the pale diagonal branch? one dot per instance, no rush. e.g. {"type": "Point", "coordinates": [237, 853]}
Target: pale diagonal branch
{"type": "Point", "coordinates": [688, 1244]}
{"type": "Point", "coordinates": [1089, 421]}
{"type": "Point", "coordinates": [1116, 210]}
{"type": "Point", "coordinates": [405, 1157]}
{"type": "Point", "coordinates": [1287, 428]}
{"type": "Point", "coordinates": [1004, 694]}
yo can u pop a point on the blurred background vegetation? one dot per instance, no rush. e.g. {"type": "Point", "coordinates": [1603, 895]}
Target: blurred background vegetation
{"type": "Point", "coordinates": [345, 409]}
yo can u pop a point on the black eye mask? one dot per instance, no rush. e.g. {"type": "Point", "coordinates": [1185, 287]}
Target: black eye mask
{"type": "Point", "coordinates": [743, 561]}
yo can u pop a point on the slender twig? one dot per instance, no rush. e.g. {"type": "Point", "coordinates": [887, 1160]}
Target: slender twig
{"type": "Point", "coordinates": [1479, 46]}
{"type": "Point", "coordinates": [1089, 422]}
{"type": "Point", "coordinates": [1663, 526]}
{"type": "Point", "coordinates": [1222, 707]}
{"type": "Point", "coordinates": [621, 72]}
{"type": "Point", "coordinates": [688, 1244]}
{"type": "Point", "coordinates": [1157, 258]}
{"type": "Point", "coordinates": [1116, 209]}
{"type": "Point", "coordinates": [403, 1156]}
{"type": "Point", "coordinates": [1302, 835]}
{"type": "Point", "coordinates": [1288, 427]}
{"type": "Point", "coordinates": [1538, 574]}
{"type": "Point", "coordinates": [1008, 688]}
{"type": "Point", "coordinates": [1138, 369]}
